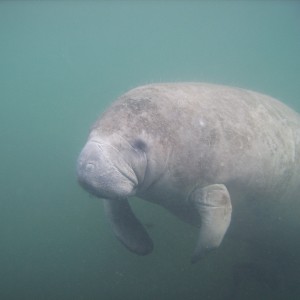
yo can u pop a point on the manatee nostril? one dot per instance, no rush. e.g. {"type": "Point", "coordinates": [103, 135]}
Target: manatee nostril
{"type": "Point", "coordinates": [90, 167]}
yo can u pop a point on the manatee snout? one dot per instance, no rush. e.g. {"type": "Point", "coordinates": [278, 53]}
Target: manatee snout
{"type": "Point", "coordinates": [87, 166]}
{"type": "Point", "coordinates": [100, 172]}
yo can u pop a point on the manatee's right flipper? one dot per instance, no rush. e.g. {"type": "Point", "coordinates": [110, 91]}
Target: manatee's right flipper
{"type": "Point", "coordinates": [127, 227]}
{"type": "Point", "coordinates": [214, 208]}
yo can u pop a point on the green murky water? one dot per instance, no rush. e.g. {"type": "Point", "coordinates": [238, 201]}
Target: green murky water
{"type": "Point", "coordinates": [61, 64]}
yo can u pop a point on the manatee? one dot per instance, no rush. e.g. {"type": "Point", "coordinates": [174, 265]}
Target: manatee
{"type": "Point", "coordinates": [212, 155]}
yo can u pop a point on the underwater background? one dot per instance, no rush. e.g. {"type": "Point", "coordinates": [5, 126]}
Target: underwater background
{"type": "Point", "coordinates": [61, 64]}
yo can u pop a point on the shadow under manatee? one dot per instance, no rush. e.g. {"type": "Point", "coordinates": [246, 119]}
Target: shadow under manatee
{"type": "Point", "coordinates": [242, 273]}
{"type": "Point", "coordinates": [265, 273]}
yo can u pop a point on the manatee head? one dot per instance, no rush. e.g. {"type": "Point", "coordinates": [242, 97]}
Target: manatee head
{"type": "Point", "coordinates": [111, 167]}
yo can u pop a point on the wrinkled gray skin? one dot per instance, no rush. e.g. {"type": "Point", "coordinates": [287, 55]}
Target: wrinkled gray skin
{"type": "Point", "coordinates": [199, 150]}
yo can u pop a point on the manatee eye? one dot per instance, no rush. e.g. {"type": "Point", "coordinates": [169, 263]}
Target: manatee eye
{"type": "Point", "coordinates": [139, 144]}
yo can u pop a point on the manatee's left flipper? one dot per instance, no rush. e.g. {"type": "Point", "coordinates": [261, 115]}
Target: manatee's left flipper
{"type": "Point", "coordinates": [213, 204]}
{"type": "Point", "coordinates": [127, 227]}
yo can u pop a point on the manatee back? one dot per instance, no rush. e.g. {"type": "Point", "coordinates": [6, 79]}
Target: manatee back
{"type": "Point", "coordinates": [220, 134]}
